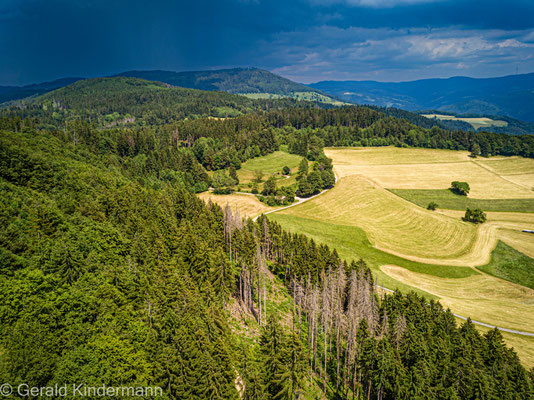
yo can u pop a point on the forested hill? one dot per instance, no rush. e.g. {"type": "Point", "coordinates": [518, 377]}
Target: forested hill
{"type": "Point", "coordinates": [116, 101]}
{"type": "Point", "coordinates": [236, 80]}
{"type": "Point", "coordinates": [113, 274]}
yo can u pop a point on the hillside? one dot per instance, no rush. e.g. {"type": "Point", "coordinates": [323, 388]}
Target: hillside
{"type": "Point", "coordinates": [8, 93]}
{"type": "Point", "coordinates": [253, 82]}
{"type": "Point", "coordinates": [236, 80]}
{"type": "Point", "coordinates": [120, 100]}
{"type": "Point", "coordinates": [512, 95]}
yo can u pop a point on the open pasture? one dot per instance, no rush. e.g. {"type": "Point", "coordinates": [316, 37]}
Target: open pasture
{"type": "Point", "coordinates": [448, 200]}
{"type": "Point", "coordinates": [524, 242]}
{"type": "Point", "coordinates": [392, 155]}
{"type": "Point", "coordinates": [397, 168]}
{"type": "Point", "coordinates": [409, 247]}
{"type": "Point", "coordinates": [272, 163]}
{"type": "Point", "coordinates": [397, 226]}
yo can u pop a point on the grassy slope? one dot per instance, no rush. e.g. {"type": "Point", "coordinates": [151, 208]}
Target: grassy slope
{"type": "Point", "coordinates": [352, 244]}
{"type": "Point", "coordinates": [397, 226]}
{"type": "Point", "coordinates": [309, 96]}
{"type": "Point", "coordinates": [447, 199]}
{"type": "Point", "coordinates": [272, 163]}
{"type": "Point", "coordinates": [508, 263]}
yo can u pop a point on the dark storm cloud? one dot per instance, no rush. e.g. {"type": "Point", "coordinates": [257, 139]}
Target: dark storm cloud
{"type": "Point", "coordinates": [305, 39]}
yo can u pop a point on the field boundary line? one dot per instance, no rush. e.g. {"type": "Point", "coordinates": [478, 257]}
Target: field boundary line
{"type": "Point", "coordinates": [489, 169]}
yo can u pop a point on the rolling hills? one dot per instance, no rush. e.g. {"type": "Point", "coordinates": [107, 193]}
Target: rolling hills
{"type": "Point", "coordinates": [8, 93]}
{"type": "Point", "coordinates": [512, 95]}
{"type": "Point", "coordinates": [235, 80]}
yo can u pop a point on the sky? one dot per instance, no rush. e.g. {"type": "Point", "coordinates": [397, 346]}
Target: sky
{"type": "Point", "coordinates": [303, 40]}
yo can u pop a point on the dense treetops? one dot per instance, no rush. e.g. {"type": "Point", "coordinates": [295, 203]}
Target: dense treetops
{"type": "Point", "coordinates": [236, 80]}
{"type": "Point", "coordinates": [118, 101]}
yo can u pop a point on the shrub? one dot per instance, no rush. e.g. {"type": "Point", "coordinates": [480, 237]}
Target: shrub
{"type": "Point", "coordinates": [461, 188]}
{"type": "Point", "coordinates": [254, 188]}
{"type": "Point", "coordinates": [258, 176]}
{"type": "Point", "coordinates": [286, 170]}
{"type": "Point", "coordinates": [476, 216]}
{"type": "Point", "coordinates": [269, 187]}
{"type": "Point", "coordinates": [223, 190]}
{"type": "Point", "coordinates": [432, 206]}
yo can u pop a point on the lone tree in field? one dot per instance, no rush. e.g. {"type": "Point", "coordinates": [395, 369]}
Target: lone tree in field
{"type": "Point", "coordinates": [461, 188]}
{"type": "Point", "coordinates": [258, 176]}
{"type": "Point", "coordinates": [476, 216]}
{"type": "Point", "coordinates": [432, 206]}
{"type": "Point", "coordinates": [286, 170]}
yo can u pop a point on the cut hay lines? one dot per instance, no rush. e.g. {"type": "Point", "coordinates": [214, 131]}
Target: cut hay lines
{"type": "Point", "coordinates": [397, 168]}
{"type": "Point", "coordinates": [392, 155]}
{"type": "Point", "coordinates": [521, 241]}
{"type": "Point", "coordinates": [397, 226]}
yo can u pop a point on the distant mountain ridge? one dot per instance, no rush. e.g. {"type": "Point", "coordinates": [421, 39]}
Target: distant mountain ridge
{"type": "Point", "coordinates": [235, 80]}
{"type": "Point", "coordinates": [8, 93]}
{"type": "Point", "coordinates": [511, 95]}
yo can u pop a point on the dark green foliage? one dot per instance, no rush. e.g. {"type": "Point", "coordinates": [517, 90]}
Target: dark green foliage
{"type": "Point", "coordinates": [269, 187]}
{"type": "Point", "coordinates": [475, 150]}
{"type": "Point", "coordinates": [236, 80]}
{"type": "Point", "coordinates": [476, 216]}
{"type": "Point", "coordinates": [282, 358]}
{"type": "Point", "coordinates": [432, 206]}
{"type": "Point", "coordinates": [303, 167]}
{"type": "Point", "coordinates": [286, 170]}
{"type": "Point", "coordinates": [461, 188]}
{"type": "Point", "coordinates": [233, 174]}
{"type": "Point", "coordinates": [98, 284]}
{"type": "Point", "coordinates": [220, 180]}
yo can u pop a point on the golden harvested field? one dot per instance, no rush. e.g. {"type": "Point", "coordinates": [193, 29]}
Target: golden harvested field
{"type": "Point", "coordinates": [507, 226]}
{"type": "Point", "coordinates": [392, 155]}
{"type": "Point", "coordinates": [508, 165]}
{"type": "Point", "coordinates": [510, 220]}
{"type": "Point", "coordinates": [248, 205]}
{"type": "Point", "coordinates": [398, 226]}
{"type": "Point", "coordinates": [405, 169]}
{"type": "Point", "coordinates": [525, 180]}
{"type": "Point", "coordinates": [521, 241]}
{"type": "Point", "coordinates": [483, 297]}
